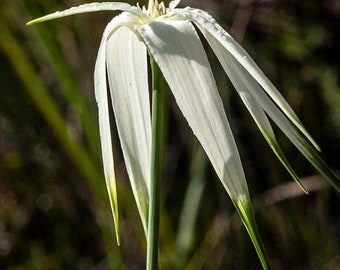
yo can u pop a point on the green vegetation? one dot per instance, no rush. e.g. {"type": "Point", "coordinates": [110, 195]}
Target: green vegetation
{"type": "Point", "coordinates": [54, 209]}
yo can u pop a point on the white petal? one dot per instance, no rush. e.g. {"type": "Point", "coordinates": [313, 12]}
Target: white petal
{"type": "Point", "coordinates": [174, 4]}
{"type": "Point", "coordinates": [287, 128]}
{"type": "Point", "coordinates": [180, 55]}
{"type": "Point", "coordinates": [101, 94]}
{"type": "Point", "coordinates": [206, 23]}
{"type": "Point", "coordinates": [256, 97]}
{"type": "Point", "coordinates": [127, 72]}
{"type": "Point", "coordinates": [92, 7]}
{"type": "Point", "coordinates": [246, 86]}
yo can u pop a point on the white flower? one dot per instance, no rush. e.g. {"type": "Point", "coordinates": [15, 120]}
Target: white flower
{"type": "Point", "coordinates": [169, 35]}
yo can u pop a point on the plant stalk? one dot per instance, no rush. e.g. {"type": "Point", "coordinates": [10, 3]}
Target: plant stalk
{"type": "Point", "coordinates": [157, 145]}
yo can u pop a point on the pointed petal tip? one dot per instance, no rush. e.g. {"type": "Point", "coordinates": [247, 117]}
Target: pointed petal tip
{"type": "Point", "coordinates": [85, 8]}
{"type": "Point", "coordinates": [302, 186]}
{"type": "Point", "coordinates": [35, 21]}
{"type": "Point", "coordinates": [118, 237]}
{"type": "Point", "coordinates": [44, 18]}
{"type": "Point", "coordinates": [111, 188]}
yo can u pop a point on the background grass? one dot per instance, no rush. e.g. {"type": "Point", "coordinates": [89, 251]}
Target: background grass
{"type": "Point", "coordinates": [54, 212]}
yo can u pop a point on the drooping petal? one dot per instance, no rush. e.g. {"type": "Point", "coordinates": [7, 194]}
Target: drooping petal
{"type": "Point", "coordinates": [180, 55]}
{"type": "Point", "coordinates": [128, 79]}
{"type": "Point", "coordinates": [295, 137]}
{"type": "Point", "coordinates": [253, 95]}
{"type": "Point", "coordinates": [85, 8]}
{"type": "Point", "coordinates": [245, 85]}
{"type": "Point", "coordinates": [206, 23]}
{"type": "Point", "coordinates": [101, 94]}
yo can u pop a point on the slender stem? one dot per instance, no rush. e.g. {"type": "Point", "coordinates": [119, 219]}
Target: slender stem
{"type": "Point", "coordinates": [158, 115]}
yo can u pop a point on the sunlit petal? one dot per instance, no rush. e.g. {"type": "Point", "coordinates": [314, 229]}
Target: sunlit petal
{"type": "Point", "coordinates": [207, 23]}
{"type": "Point", "coordinates": [101, 94]}
{"type": "Point", "coordinates": [127, 72]}
{"type": "Point", "coordinates": [254, 94]}
{"type": "Point", "coordinates": [289, 129]}
{"type": "Point", "coordinates": [183, 62]}
{"type": "Point", "coordinates": [171, 38]}
{"type": "Point", "coordinates": [180, 55]}
{"type": "Point", "coordinates": [85, 8]}
{"type": "Point", "coordinates": [246, 86]}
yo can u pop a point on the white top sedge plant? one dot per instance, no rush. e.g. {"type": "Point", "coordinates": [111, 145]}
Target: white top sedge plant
{"type": "Point", "coordinates": [169, 35]}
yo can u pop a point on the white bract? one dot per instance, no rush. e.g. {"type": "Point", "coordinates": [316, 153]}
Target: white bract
{"type": "Point", "coordinates": [169, 36]}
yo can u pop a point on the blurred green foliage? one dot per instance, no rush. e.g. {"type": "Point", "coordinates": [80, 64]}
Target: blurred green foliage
{"type": "Point", "coordinates": [54, 212]}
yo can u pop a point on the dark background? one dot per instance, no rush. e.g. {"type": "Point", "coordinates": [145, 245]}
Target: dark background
{"type": "Point", "coordinates": [54, 211]}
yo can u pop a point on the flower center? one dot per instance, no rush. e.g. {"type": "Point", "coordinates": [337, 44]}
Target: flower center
{"type": "Point", "coordinates": [156, 9]}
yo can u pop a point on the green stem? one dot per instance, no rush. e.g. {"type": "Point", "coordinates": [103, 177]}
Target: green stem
{"type": "Point", "coordinates": [158, 116]}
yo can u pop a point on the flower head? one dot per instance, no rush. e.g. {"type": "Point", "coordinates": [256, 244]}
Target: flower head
{"type": "Point", "coordinates": [169, 35]}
